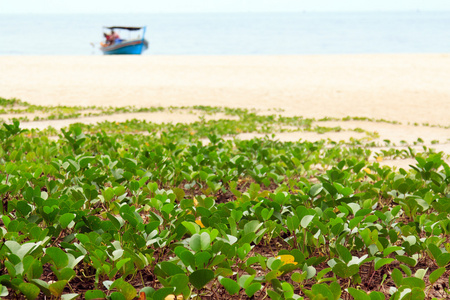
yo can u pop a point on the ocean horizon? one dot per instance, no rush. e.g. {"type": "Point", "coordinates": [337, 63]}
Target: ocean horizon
{"type": "Point", "coordinates": [233, 33]}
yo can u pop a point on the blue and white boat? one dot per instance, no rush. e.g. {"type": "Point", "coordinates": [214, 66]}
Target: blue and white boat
{"type": "Point", "coordinates": [134, 44]}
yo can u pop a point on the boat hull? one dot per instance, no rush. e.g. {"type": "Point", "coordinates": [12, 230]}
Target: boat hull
{"type": "Point", "coordinates": [126, 47]}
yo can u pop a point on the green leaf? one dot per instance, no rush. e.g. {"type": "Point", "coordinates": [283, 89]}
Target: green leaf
{"type": "Point", "coordinates": [335, 288]}
{"type": "Point", "coordinates": [122, 262]}
{"type": "Point", "coordinates": [274, 264]}
{"type": "Point", "coordinates": [358, 294]}
{"type": "Point", "coordinates": [298, 277]}
{"type": "Point", "coordinates": [245, 280]}
{"type": "Point", "coordinates": [323, 290]}
{"type": "Point", "coordinates": [306, 220]}
{"type": "Point", "coordinates": [84, 161]}
{"type": "Point", "coordinates": [187, 258]}
{"type": "Point", "coordinates": [243, 251]}
{"type": "Point", "coordinates": [201, 277]}
{"type": "Point", "coordinates": [195, 242]}
{"type": "Point", "coordinates": [108, 194]}
{"type": "Point", "coordinates": [179, 282]}
{"type": "Point", "coordinates": [32, 267]}
{"type": "Point", "coordinates": [20, 250]}
{"type": "Point", "coordinates": [69, 296]}
{"type": "Point", "coordinates": [205, 240]}
{"type": "Point", "coordinates": [322, 273]}
{"type": "Point", "coordinates": [347, 191]}
{"type": "Point", "coordinates": [391, 249]}
{"type": "Point", "coordinates": [57, 288]}
{"type": "Point", "coordinates": [201, 258]}
{"type": "Point", "coordinates": [273, 295]}
{"type": "Point", "coordinates": [29, 290]}
{"type": "Point", "coordinates": [436, 274]}
{"type": "Point", "coordinates": [406, 269]}
{"type": "Point", "coordinates": [344, 253]}
{"type": "Point", "coordinates": [383, 261]}
{"type": "Point", "coordinates": [310, 272]}
{"type": "Point", "coordinates": [252, 226]}
{"type": "Point", "coordinates": [355, 221]}
{"type": "Point", "coordinates": [315, 189]}
{"type": "Point", "coordinates": [397, 277]}
{"type": "Point", "coordinates": [23, 207]}
{"type": "Point", "coordinates": [191, 226]}
{"type": "Point", "coordinates": [66, 274]}
{"type": "Point", "coordinates": [252, 289]}
{"type": "Point", "coordinates": [292, 223]}
{"type": "Point", "coordinates": [117, 296]}
{"type": "Point", "coordinates": [94, 294]}
{"type": "Point", "coordinates": [344, 271]}
{"type": "Point", "coordinates": [413, 282]}
{"type": "Point", "coordinates": [329, 188]}
{"type": "Point", "coordinates": [162, 293]}
{"type": "Point", "coordinates": [420, 273]}
{"type": "Point", "coordinates": [288, 289]}
{"type": "Point", "coordinates": [266, 214]}
{"type": "Point", "coordinates": [6, 220]}
{"type": "Point", "coordinates": [407, 260]}
{"type": "Point", "coordinates": [230, 285]}
{"type": "Point", "coordinates": [65, 219]}
{"type": "Point", "coordinates": [43, 286]}
{"type": "Point", "coordinates": [126, 289]}
{"type": "Point", "coordinates": [3, 291]}
{"type": "Point", "coordinates": [443, 259]}
{"type": "Point", "coordinates": [377, 296]}
{"type": "Point", "coordinates": [119, 190]}
{"type": "Point", "coordinates": [415, 294]}
{"type": "Point", "coordinates": [58, 256]}
{"type": "Point", "coordinates": [435, 251]}
{"type": "Point", "coordinates": [171, 268]}
{"type": "Point", "coordinates": [134, 185]}
{"type": "Point", "coordinates": [179, 193]}
{"type": "Point", "coordinates": [271, 275]}
{"type": "Point", "coordinates": [115, 221]}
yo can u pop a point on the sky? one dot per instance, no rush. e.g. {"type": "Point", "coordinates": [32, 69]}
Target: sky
{"type": "Point", "coordinates": [205, 6]}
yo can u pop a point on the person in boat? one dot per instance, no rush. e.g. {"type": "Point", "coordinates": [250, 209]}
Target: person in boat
{"type": "Point", "coordinates": [111, 38]}
{"type": "Point", "coordinates": [114, 36]}
{"type": "Point", "coordinates": [108, 40]}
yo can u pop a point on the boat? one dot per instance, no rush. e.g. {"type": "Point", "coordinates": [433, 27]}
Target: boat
{"type": "Point", "coordinates": [135, 44]}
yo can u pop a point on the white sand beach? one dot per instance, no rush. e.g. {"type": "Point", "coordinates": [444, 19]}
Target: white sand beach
{"type": "Point", "coordinates": [408, 88]}
{"type": "Point", "coordinates": [401, 87]}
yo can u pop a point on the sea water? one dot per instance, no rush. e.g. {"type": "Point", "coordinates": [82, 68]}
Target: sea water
{"type": "Point", "coordinates": [234, 34]}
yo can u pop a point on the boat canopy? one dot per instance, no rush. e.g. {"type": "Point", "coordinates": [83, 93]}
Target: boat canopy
{"type": "Point", "coordinates": [125, 28]}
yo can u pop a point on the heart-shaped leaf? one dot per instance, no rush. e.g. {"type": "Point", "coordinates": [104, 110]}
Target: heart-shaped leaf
{"type": "Point", "coordinates": [201, 277]}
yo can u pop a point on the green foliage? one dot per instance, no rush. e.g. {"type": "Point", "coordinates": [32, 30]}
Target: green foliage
{"type": "Point", "coordinates": [107, 206]}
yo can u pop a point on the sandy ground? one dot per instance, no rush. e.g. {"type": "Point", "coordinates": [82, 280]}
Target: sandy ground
{"type": "Point", "coordinates": [409, 88]}
{"type": "Point", "coordinates": [406, 88]}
